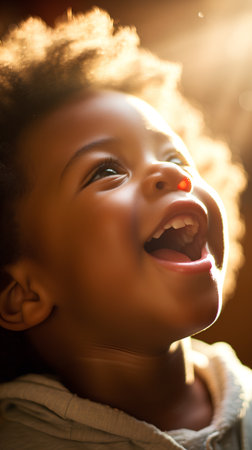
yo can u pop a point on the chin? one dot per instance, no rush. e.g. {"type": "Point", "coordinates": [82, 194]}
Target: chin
{"type": "Point", "coordinates": [210, 311]}
{"type": "Point", "coordinates": [203, 308]}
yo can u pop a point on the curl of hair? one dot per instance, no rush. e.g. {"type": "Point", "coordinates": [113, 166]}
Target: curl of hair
{"type": "Point", "coordinates": [42, 67]}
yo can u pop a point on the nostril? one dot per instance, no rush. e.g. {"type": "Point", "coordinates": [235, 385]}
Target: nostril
{"type": "Point", "coordinates": [184, 185]}
{"type": "Point", "coordinates": [160, 185]}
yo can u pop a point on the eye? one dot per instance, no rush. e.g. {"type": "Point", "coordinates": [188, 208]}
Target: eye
{"type": "Point", "coordinates": [107, 168]}
{"type": "Point", "coordinates": [178, 159]}
{"type": "Point", "coordinates": [103, 172]}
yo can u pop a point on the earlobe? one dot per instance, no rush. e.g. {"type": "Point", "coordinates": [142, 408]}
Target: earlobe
{"type": "Point", "coordinates": [21, 309]}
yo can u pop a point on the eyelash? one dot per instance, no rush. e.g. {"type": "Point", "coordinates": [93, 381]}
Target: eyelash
{"type": "Point", "coordinates": [108, 163]}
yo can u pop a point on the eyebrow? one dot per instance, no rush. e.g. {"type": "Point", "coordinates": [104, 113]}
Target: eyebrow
{"type": "Point", "coordinates": [87, 147]}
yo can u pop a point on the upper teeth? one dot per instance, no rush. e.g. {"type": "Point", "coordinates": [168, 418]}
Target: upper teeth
{"type": "Point", "coordinates": [179, 222]}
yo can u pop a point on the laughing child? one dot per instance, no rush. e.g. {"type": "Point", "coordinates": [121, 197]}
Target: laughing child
{"type": "Point", "coordinates": [113, 250]}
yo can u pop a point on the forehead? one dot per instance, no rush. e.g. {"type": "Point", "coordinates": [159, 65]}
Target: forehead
{"type": "Point", "coordinates": [75, 123]}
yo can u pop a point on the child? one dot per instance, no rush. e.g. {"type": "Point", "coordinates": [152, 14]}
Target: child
{"type": "Point", "coordinates": [113, 250]}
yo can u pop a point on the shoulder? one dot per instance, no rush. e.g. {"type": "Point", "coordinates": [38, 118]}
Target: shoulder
{"type": "Point", "coordinates": [15, 435]}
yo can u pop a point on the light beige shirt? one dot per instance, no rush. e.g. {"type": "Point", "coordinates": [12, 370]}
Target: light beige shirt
{"type": "Point", "coordinates": [38, 412]}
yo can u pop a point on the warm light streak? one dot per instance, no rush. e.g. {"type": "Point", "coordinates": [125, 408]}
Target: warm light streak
{"type": "Point", "coordinates": [215, 53]}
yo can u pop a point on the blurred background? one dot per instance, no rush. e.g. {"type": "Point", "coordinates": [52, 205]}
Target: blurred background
{"type": "Point", "coordinates": [213, 41]}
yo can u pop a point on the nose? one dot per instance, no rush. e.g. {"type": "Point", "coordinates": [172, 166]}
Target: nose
{"type": "Point", "coordinates": [165, 177]}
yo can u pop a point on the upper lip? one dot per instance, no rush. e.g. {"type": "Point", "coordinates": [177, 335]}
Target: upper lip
{"type": "Point", "coordinates": [184, 207]}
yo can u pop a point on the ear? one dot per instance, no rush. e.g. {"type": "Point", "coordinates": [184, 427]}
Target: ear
{"type": "Point", "coordinates": [20, 307]}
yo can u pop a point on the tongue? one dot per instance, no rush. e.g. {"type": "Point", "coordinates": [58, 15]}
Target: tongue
{"type": "Point", "coordinates": [170, 255]}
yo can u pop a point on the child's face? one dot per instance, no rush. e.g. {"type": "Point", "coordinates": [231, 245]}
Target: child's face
{"type": "Point", "coordinates": [106, 171]}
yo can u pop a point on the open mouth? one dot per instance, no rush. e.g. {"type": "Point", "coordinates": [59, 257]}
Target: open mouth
{"type": "Point", "coordinates": [180, 239]}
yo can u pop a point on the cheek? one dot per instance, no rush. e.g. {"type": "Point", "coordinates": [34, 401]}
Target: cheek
{"type": "Point", "coordinates": [100, 238]}
{"type": "Point", "coordinates": [100, 268]}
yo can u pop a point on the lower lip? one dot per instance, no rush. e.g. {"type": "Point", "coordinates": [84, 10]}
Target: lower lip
{"type": "Point", "coordinates": [204, 264]}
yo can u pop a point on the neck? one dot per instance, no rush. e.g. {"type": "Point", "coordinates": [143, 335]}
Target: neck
{"type": "Point", "coordinates": [159, 389]}
{"type": "Point", "coordinates": [122, 371]}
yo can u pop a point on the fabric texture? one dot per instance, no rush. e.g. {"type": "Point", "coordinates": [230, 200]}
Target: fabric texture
{"type": "Point", "coordinates": [38, 412]}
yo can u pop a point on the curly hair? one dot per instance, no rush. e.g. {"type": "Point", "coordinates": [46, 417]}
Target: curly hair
{"type": "Point", "coordinates": [42, 67]}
